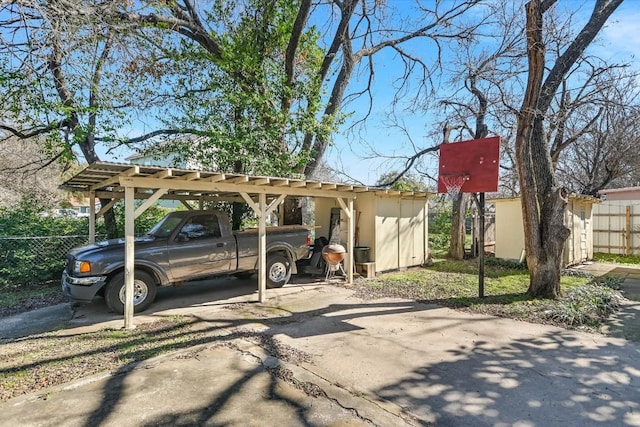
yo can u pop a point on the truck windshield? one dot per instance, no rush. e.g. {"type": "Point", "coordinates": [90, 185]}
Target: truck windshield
{"type": "Point", "coordinates": [166, 225]}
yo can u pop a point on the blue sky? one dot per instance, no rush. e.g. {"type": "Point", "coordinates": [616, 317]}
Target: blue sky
{"type": "Point", "coordinates": [620, 41]}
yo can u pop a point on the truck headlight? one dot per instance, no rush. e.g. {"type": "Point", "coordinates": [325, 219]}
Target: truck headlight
{"type": "Point", "coordinates": [82, 267]}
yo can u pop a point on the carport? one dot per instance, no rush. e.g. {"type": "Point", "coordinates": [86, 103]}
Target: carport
{"type": "Point", "coordinates": [130, 182]}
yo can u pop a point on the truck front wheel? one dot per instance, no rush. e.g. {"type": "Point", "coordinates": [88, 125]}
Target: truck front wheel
{"type": "Point", "coordinates": [278, 271]}
{"type": "Point", "coordinates": [144, 292]}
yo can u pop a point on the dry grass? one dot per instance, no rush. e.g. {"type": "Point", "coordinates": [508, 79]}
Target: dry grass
{"type": "Point", "coordinates": [454, 284]}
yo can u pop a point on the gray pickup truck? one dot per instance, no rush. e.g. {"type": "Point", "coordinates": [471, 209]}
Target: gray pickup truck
{"type": "Point", "coordinates": [184, 245]}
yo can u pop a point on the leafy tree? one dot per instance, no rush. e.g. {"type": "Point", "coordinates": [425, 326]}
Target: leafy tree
{"type": "Point", "coordinates": [261, 80]}
{"type": "Point", "coordinates": [275, 68]}
{"type": "Point", "coordinates": [407, 182]}
{"type": "Point", "coordinates": [63, 82]}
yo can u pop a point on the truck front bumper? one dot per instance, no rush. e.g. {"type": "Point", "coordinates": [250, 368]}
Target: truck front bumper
{"type": "Point", "coordinates": [82, 289]}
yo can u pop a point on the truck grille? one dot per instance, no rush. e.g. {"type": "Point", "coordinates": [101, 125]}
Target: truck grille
{"type": "Point", "coordinates": [69, 264]}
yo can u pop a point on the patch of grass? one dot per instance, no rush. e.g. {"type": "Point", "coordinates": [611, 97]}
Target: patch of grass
{"type": "Point", "coordinates": [51, 359]}
{"type": "Point", "coordinates": [18, 298]}
{"type": "Point", "coordinates": [611, 282]}
{"type": "Point", "coordinates": [454, 284]}
{"type": "Point", "coordinates": [617, 258]}
{"type": "Point", "coordinates": [586, 305]}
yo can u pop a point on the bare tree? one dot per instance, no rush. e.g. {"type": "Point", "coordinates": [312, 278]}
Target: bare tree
{"type": "Point", "coordinates": [607, 155]}
{"type": "Point", "coordinates": [543, 199]}
{"type": "Point", "coordinates": [477, 96]}
{"type": "Point", "coordinates": [27, 173]}
{"type": "Point", "coordinates": [484, 77]}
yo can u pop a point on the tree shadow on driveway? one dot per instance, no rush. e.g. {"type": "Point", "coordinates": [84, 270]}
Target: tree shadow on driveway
{"type": "Point", "coordinates": [548, 380]}
{"type": "Point", "coordinates": [536, 375]}
{"type": "Point", "coordinates": [223, 328]}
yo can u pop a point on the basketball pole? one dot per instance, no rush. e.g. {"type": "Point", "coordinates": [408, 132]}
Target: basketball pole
{"type": "Point", "coordinates": [481, 251]}
{"type": "Point", "coordinates": [479, 199]}
{"type": "Point", "coordinates": [476, 161]}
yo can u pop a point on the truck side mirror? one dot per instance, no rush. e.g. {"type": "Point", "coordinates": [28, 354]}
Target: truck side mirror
{"type": "Point", "coordinates": [182, 237]}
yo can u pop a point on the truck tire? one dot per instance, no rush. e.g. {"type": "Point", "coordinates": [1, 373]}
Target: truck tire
{"type": "Point", "coordinates": [278, 271]}
{"type": "Point", "coordinates": [144, 292]}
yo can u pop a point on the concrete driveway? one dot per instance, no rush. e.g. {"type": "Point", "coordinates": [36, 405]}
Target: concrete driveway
{"type": "Point", "coordinates": [376, 362]}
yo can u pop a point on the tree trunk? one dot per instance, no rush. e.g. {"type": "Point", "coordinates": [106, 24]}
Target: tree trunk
{"type": "Point", "coordinates": [543, 202]}
{"type": "Point", "coordinates": [238, 210]}
{"type": "Point", "coordinates": [110, 224]}
{"type": "Point", "coordinates": [545, 272]}
{"type": "Point", "coordinates": [458, 226]}
{"type": "Point", "coordinates": [292, 211]}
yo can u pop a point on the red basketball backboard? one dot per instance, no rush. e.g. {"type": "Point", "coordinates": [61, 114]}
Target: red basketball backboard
{"type": "Point", "coordinates": [477, 159]}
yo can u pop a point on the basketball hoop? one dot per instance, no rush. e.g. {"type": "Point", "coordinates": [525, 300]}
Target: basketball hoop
{"type": "Point", "coordinates": [454, 183]}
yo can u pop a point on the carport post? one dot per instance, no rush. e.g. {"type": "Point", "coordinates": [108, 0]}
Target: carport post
{"type": "Point", "coordinates": [92, 216]}
{"type": "Point", "coordinates": [262, 210]}
{"type": "Point", "coordinates": [129, 248]}
{"type": "Point", "coordinates": [347, 208]}
{"type": "Point", "coordinates": [350, 238]}
{"type": "Point", "coordinates": [262, 247]}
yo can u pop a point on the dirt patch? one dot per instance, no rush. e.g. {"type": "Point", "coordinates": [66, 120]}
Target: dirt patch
{"type": "Point", "coordinates": [29, 303]}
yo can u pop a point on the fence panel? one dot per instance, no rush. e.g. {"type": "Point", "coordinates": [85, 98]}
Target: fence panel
{"type": "Point", "coordinates": [616, 227]}
{"type": "Point", "coordinates": [34, 259]}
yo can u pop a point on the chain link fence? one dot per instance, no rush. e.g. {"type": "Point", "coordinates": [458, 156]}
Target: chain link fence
{"type": "Point", "coordinates": [26, 260]}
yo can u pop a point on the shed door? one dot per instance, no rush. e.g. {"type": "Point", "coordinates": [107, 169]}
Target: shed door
{"type": "Point", "coordinates": [387, 234]}
{"type": "Point", "coordinates": [584, 253]}
{"type": "Point", "coordinates": [411, 234]}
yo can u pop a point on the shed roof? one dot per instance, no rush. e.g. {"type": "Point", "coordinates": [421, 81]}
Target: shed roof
{"type": "Point", "coordinates": [619, 190]}
{"type": "Point", "coordinates": [574, 196]}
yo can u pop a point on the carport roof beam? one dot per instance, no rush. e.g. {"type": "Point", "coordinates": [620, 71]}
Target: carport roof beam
{"type": "Point", "coordinates": [106, 177]}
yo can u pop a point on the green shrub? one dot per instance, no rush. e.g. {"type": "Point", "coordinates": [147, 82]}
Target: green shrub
{"type": "Point", "coordinates": [33, 246]}
{"type": "Point", "coordinates": [439, 243]}
{"type": "Point", "coordinates": [143, 223]}
{"type": "Point", "coordinates": [572, 272]}
{"type": "Point", "coordinates": [27, 220]}
{"type": "Point", "coordinates": [614, 283]}
{"type": "Point", "coordinates": [440, 222]}
{"type": "Point", "coordinates": [584, 305]}
{"type": "Point", "coordinates": [506, 263]}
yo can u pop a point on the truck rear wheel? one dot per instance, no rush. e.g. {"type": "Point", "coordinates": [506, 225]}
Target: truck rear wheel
{"type": "Point", "coordinates": [144, 292]}
{"type": "Point", "coordinates": [278, 271]}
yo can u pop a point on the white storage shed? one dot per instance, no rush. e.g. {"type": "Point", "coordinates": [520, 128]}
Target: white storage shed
{"type": "Point", "coordinates": [391, 229]}
{"type": "Point", "coordinates": [509, 240]}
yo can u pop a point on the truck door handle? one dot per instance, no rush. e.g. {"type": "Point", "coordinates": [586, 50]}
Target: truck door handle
{"type": "Point", "coordinates": [219, 245]}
